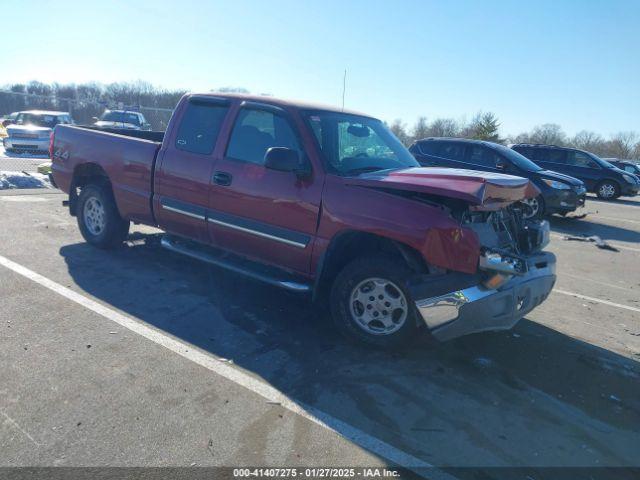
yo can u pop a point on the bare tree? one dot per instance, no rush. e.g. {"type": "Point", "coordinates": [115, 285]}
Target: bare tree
{"type": "Point", "coordinates": [622, 144]}
{"type": "Point", "coordinates": [420, 129]}
{"type": "Point", "coordinates": [548, 133]}
{"type": "Point", "coordinates": [399, 129]}
{"type": "Point", "coordinates": [586, 140]}
{"type": "Point", "coordinates": [444, 127]}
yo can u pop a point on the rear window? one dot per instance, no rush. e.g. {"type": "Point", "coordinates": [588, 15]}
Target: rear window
{"type": "Point", "coordinates": [200, 126]}
{"type": "Point", "coordinates": [429, 147]}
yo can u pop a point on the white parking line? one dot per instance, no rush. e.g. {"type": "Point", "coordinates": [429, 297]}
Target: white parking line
{"type": "Point", "coordinates": [597, 300]}
{"type": "Point", "coordinates": [618, 219]}
{"type": "Point", "coordinates": [236, 375]}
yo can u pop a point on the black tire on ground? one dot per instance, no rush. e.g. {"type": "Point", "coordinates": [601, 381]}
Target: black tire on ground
{"type": "Point", "coordinates": [344, 286]}
{"type": "Point", "coordinates": [113, 228]}
{"type": "Point", "coordinates": [601, 190]}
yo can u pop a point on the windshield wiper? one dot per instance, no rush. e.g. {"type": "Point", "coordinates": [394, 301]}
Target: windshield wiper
{"type": "Point", "coordinates": [365, 170]}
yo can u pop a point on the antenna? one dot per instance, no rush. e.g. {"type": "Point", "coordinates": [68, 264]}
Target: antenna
{"type": "Point", "coordinates": [344, 87]}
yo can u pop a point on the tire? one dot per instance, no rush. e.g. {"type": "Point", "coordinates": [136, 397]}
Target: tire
{"type": "Point", "coordinates": [608, 190]}
{"type": "Point", "coordinates": [98, 218]}
{"type": "Point", "coordinates": [395, 329]}
{"type": "Point", "coordinates": [534, 208]}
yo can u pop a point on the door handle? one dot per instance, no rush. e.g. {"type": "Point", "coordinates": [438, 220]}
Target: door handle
{"type": "Point", "coordinates": [222, 178]}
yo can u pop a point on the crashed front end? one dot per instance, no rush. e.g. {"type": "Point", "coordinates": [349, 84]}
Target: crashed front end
{"type": "Point", "coordinates": [512, 276]}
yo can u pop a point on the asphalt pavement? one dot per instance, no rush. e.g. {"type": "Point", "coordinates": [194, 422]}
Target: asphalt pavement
{"type": "Point", "coordinates": [138, 357]}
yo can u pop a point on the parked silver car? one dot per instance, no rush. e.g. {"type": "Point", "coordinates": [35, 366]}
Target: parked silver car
{"type": "Point", "coordinates": [30, 131]}
{"type": "Point", "coordinates": [122, 119]}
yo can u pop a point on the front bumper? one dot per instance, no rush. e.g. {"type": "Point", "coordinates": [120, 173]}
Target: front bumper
{"type": "Point", "coordinates": [26, 144]}
{"type": "Point", "coordinates": [564, 201]}
{"type": "Point", "coordinates": [472, 309]}
{"type": "Point", "coordinates": [628, 190]}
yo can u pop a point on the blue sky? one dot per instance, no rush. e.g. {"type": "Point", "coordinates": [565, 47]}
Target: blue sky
{"type": "Point", "coordinates": [572, 62]}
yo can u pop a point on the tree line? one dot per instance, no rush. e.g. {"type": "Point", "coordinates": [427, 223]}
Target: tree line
{"type": "Point", "coordinates": [486, 126]}
{"type": "Point", "coordinates": [87, 100]}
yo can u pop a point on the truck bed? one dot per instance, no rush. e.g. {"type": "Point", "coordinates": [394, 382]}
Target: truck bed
{"type": "Point", "coordinates": [127, 159]}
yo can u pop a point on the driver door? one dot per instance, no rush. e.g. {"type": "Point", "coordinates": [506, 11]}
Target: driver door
{"type": "Point", "coordinates": [259, 213]}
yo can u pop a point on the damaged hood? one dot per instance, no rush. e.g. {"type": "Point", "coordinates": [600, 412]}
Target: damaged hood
{"type": "Point", "coordinates": [477, 188]}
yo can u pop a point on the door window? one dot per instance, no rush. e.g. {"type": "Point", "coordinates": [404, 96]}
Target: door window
{"type": "Point", "coordinates": [256, 131]}
{"type": "Point", "coordinates": [579, 159]}
{"type": "Point", "coordinates": [552, 155]}
{"type": "Point", "coordinates": [430, 147]}
{"type": "Point", "coordinates": [483, 156]}
{"type": "Point", "coordinates": [452, 151]}
{"type": "Point", "coordinates": [200, 126]}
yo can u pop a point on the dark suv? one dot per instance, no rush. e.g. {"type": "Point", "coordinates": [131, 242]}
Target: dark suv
{"type": "Point", "coordinates": [601, 177]}
{"type": "Point", "coordinates": [560, 194]}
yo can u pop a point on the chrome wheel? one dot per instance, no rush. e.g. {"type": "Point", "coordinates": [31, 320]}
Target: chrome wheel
{"type": "Point", "coordinates": [532, 207]}
{"type": "Point", "coordinates": [94, 216]}
{"type": "Point", "coordinates": [607, 190]}
{"type": "Point", "coordinates": [378, 306]}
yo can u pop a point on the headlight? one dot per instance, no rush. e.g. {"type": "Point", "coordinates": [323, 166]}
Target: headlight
{"type": "Point", "coordinates": [629, 179]}
{"type": "Point", "coordinates": [555, 184]}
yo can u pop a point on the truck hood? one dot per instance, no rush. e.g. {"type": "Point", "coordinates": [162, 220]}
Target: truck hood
{"type": "Point", "coordinates": [477, 188]}
{"type": "Point", "coordinates": [41, 131]}
{"type": "Point", "coordinates": [106, 124]}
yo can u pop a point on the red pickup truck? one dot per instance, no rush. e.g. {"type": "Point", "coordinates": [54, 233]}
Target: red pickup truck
{"type": "Point", "coordinates": [319, 200]}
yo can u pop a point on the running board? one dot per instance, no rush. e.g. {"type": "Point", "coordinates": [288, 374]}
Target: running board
{"type": "Point", "coordinates": [235, 264]}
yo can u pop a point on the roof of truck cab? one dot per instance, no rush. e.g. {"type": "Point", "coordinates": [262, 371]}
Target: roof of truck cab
{"type": "Point", "coordinates": [281, 102]}
{"type": "Point", "coordinates": [44, 112]}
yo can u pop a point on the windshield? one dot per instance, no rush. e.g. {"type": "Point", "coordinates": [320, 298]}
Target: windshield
{"type": "Point", "coordinates": [37, 120]}
{"type": "Point", "coordinates": [601, 162]}
{"type": "Point", "coordinates": [120, 117]}
{"type": "Point", "coordinates": [353, 144]}
{"type": "Point", "coordinates": [518, 160]}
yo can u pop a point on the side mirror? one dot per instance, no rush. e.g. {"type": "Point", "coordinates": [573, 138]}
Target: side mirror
{"type": "Point", "coordinates": [285, 160]}
{"type": "Point", "coordinates": [95, 119]}
{"type": "Point", "coordinates": [501, 165]}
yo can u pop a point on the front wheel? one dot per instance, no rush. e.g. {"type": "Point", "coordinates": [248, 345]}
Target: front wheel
{"type": "Point", "coordinates": [608, 190]}
{"type": "Point", "coordinates": [370, 303]}
{"type": "Point", "coordinates": [98, 217]}
{"type": "Point", "coordinates": [533, 207]}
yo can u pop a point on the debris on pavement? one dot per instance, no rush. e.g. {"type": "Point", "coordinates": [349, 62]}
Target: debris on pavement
{"type": "Point", "coordinates": [593, 238]}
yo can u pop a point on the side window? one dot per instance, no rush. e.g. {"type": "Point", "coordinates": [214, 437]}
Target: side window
{"type": "Point", "coordinates": [429, 147]}
{"type": "Point", "coordinates": [557, 156]}
{"type": "Point", "coordinates": [630, 169]}
{"type": "Point", "coordinates": [579, 159]}
{"type": "Point", "coordinates": [452, 150]}
{"type": "Point", "coordinates": [256, 131]}
{"type": "Point", "coordinates": [540, 154]}
{"type": "Point", "coordinates": [525, 151]}
{"type": "Point", "coordinates": [199, 128]}
{"type": "Point", "coordinates": [479, 155]}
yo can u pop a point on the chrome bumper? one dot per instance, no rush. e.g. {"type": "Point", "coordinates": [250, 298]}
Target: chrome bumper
{"type": "Point", "coordinates": [26, 143]}
{"type": "Point", "coordinates": [476, 308]}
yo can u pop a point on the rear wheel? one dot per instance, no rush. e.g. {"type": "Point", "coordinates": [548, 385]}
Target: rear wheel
{"type": "Point", "coordinates": [98, 217]}
{"type": "Point", "coordinates": [370, 303]}
{"type": "Point", "coordinates": [608, 189]}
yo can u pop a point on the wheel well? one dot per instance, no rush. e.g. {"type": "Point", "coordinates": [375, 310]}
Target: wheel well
{"type": "Point", "coordinates": [349, 245]}
{"type": "Point", "coordinates": [85, 174]}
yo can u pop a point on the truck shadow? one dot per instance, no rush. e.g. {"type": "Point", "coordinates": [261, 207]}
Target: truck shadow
{"type": "Point", "coordinates": [532, 396]}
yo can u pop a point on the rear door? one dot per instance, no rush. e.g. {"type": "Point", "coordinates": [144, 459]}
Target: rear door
{"type": "Point", "coordinates": [264, 214]}
{"type": "Point", "coordinates": [552, 159]}
{"type": "Point", "coordinates": [183, 175]}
